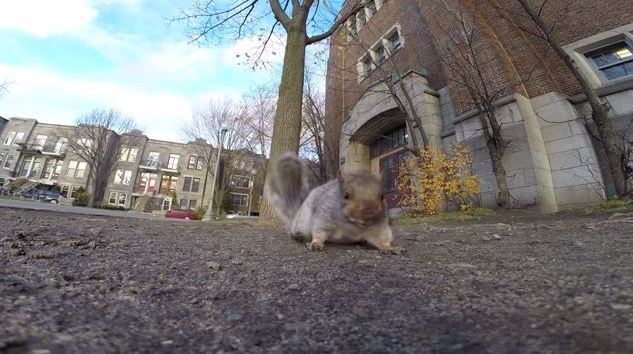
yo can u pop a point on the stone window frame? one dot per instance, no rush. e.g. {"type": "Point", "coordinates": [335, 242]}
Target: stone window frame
{"type": "Point", "coordinates": [382, 42]}
{"type": "Point", "coordinates": [353, 25]}
{"type": "Point", "coordinates": [578, 51]}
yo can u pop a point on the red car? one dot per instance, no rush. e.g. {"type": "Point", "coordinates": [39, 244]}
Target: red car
{"type": "Point", "coordinates": [181, 214]}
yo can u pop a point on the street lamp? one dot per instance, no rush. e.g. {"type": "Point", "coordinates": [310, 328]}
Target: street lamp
{"type": "Point", "coordinates": [209, 215]}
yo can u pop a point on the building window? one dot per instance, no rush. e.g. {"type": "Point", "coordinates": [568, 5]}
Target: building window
{"type": "Point", "coordinates": [3, 156]}
{"type": "Point", "coordinates": [113, 198]}
{"type": "Point", "coordinates": [40, 141]}
{"type": "Point", "coordinates": [84, 143]}
{"type": "Point", "coordinates": [364, 67]}
{"type": "Point", "coordinates": [128, 154]}
{"type": "Point", "coordinates": [193, 204]}
{"type": "Point", "coordinates": [245, 165]}
{"type": "Point", "coordinates": [60, 146]}
{"type": "Point", "coordinates": [191, 184]}
{"type": "Point", "coordinates": [117, 198]}
{"type": "Point", "coordinates": [147, 183]}
{"type": "Point", "coordinates": [168, 184]}
{"type": "Point", "coordinates": [123, 177]}
{"type": "Point", "coordinates": [172, 164]}
{"type": "Point", "coordinates": [240, 182]}
{"type": "Point", "coordinates": [7, 162]}
{"type": "Point", "coordinates": [391, 141]}
{"type": "Point", "coordinates": [394, 42]}
{"type": "Point", "coordinates": [360, 20]}
{"type": "Point", "coordinates": [76, 169]}
{"type": "Point", "coordinates": [380, 54]}
{"type": "Point", "coordinates": [614, 61]}
{"type": "Point", "coordinates": [65, 190]}
{"type": "Point", "coordinates": [184, 204]}
{"type": "Point", "coordinates": [13, 138]}
{"type": "Point", "coordinates": [370, 9]}
{"type": "Point", "coordinates": [152, 159]}
{"type": "Point", "coordinates": [238, 199]}
{"type": "Point", "coordinates": [195, 163]}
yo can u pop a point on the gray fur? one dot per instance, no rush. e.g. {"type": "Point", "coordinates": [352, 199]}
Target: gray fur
{"type": "Point", "coordinates": [319, 216]}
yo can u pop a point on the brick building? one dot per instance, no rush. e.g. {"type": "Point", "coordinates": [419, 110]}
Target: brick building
{"type": "Point", "coordinates": [148, 174]}
{"type": "Point", "coordinates": [394, 54]}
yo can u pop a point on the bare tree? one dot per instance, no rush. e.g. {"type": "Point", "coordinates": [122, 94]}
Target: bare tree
{"type": "Point", "coordinates": [314, 130]}
{"type": "Point", "coordinates": [259, 105]}
{"type": "Point", "coordinates": [98, 139]}
{"type": "Point", "coordinates": [240, 18]}
{"type": "Point", "coordinates": [460, 50]}
{"type": "Point", "coordinates": [4, 87]}
{"type": "Point", "coordinates": [547, 31]}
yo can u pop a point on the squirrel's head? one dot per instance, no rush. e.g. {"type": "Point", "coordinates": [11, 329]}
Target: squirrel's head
{"type": "Point", "coordinates": [363, 200]}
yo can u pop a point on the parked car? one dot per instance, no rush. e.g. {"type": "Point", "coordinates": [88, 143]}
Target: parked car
{"type": "Point", "coordinates": [52, 197]}
{"type": "Point", "coordinates": [181, 214]}
{"type": "Point", "coordinates": [29, 194]}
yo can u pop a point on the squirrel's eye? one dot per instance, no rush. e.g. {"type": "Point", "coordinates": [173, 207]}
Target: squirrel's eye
{"type": "Point", "coordinates": [346, 196]}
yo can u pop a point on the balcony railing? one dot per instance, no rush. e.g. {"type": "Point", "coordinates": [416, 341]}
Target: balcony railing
{"type": "Point", "coordinates": [46, 149]}
{"type": "Point", "coordinates": [163, 167]}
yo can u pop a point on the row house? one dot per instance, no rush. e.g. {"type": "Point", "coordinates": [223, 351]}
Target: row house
{"type": "Point", "coordinates": [146, 175]}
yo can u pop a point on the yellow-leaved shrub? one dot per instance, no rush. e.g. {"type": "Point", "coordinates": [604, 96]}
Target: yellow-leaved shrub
{"type": "Point", "coordinates": [428, 181]}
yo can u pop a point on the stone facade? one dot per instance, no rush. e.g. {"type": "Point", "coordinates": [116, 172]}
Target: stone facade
{"type": "Point", "coordinates": [147, 174]}
{"type": "Point", "coordinates": [553, 160]}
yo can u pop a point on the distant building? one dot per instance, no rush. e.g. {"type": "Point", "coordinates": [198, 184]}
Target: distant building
{"type": "Point", "coordinates": [148, 175]}
{"type": "Point", "coordinates": [3, 122]}
{"type": "Point", "coordinates": [553, 161]}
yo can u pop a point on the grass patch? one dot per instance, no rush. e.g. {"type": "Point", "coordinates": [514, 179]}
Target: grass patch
{"type": "Point", "coordinates": [613, 205]}
{"type": "Point", "coordinates": [473, 214]}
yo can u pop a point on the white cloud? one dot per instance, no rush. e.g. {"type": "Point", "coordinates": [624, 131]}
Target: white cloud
{"type": "Point", "coordinates": [50, 97]}
{"type": "Point", "coordinates": [45, 18]}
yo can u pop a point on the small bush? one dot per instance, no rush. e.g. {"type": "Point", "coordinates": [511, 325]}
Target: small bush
{"type": "Point", "coordinates": [614, 205]}
{"type": "Point", "coordinates": [111, 207]}
{"type": "Point", "coordinates": [428, 181]}
{"type": "Point", "coordinates": [82, 198]}
{"type": "Point", "coordinates": [200, 213]}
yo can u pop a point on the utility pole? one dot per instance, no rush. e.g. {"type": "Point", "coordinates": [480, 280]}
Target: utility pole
{"type": "Point", "coordinates": [209, 215]}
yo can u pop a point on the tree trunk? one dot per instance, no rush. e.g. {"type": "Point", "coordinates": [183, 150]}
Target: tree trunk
{"type": "Point", "coordinates": [504, 199]}
{"type": "Point", "coordinates": [287, 126]}
{"type": "Point", "coordinates": [600, 113]}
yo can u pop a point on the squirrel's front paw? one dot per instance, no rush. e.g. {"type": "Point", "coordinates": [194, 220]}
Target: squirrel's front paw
{"type": "Point", "coordinates": [315, 245]}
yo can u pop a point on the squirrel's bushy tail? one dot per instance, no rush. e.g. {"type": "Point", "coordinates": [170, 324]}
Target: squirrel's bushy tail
{"type": "Point", "coordinates": [288, 184]}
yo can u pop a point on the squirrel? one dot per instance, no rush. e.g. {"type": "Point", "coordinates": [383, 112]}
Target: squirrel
{"type": "Point", "coordinates": [349, 209]}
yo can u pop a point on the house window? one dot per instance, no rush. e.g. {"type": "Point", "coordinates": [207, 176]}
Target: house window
{"type": "Point", "coordinates": [184, 204]}
{"type": "Point", "coordinates": [238, 199]}
{"type": "Point", "coordinates": [152, 159]}
{"type": "Point", "coordinates": [40, 141]}
{"type": "Point", "coordinates": [74, 191]}
{"type": "Point", "coordinates": [191, 184]}
{"type": "Point", "coordinates": [193, 204]}
{"type": "Point", "coordinates": [614, 61]}
{"type": "Point", "coordinates": [84, 143]}
{"type": "Point", "coordinates": [113, 198]}
{"type": "Point", "coordinates": [147, 183]}
{"type": "Point", "coordinates": [123, 177]}
{"type": "Point", "coordinates": [60, 146]}
{"type": "Point", "coordinates": [245, 165]}
{"type": "Point", "coordinates": [128, 154]}
{"type": "Point", "coordinates": [72, 168]}
{"type": "Point", "coordinates": [8, 140]}
{"type": "Point", "coordinates": [3, 156]}
{"type": "Point", "coordinates": [195, 162]}
{"type": "Point", "coordinates": [81, 169]}
{"type": "Point", "coordinates": [65, 190]}
{"type": "Point", "coordinates": [380, 54]}
{"type": "Point", "coordinates": [18, 138]}
{"type": "Point", "coordinates": [8, 162]}
{"type": "Point", "coordinates": [122, 199]}
{"type": "Point", "coordinates": [394, 41]}
{"type": "Point", "coordinates": [168, 184]}
{"type": "Point", "coordinates": [173, 162]}
{"type": "Point", "coordinates": [76, 169]}
{"type": "Point", "coordinates": [240, 182]}
{"type": "Point", "coordinates": [364, 67]}
{"type": "Point", "coordinates": [370, 9]}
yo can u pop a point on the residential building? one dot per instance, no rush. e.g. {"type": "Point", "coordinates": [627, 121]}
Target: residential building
{"type": "Point", "coordinates": [553, 159]}
{"type": "Point", "coordinates": [146, 175]}
{"type": "Point", "coordinates": [242, 174]}
{"type": "Point", "coordinates": [3, 122]}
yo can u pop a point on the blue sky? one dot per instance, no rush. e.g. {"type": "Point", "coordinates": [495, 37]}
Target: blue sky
{"type": "Point", "coordinates": [66, 57]}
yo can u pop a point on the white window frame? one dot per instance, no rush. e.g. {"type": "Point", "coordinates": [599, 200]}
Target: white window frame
{"type": "Point", "coordinates": [61, 145]}
{"type": "Point", "coordinates": [7, 160]}
{"type": "Point", "coordinates": [579, 50]}
{"type": "Point", "coordinates": [240, 176]}
{"type": "Point", "coordinates": [9, 138]}
{"type": "Point", "coordinates": [19, 137]}
{"type": "Point", "coordinates": [173, 161]}
{"type": "Point", "coordinates": [43, 139]}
